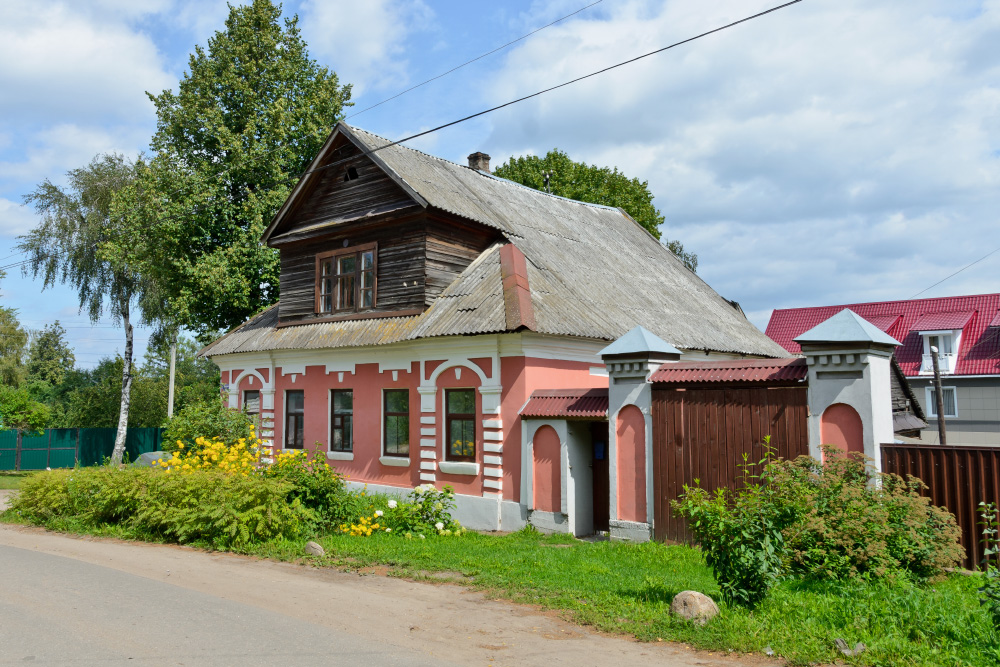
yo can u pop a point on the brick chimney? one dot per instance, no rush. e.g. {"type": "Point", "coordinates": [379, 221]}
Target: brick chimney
{"type": "Point", "coordinates": [480, 161]}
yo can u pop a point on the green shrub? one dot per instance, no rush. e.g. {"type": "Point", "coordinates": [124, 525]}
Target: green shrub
{"type": "Point", "coordinates": [850, 520]}
{"type": "Point", "coordinates": [318, 487]}
{"type": "Point", "coordinates": [225, 511]}
{"type": "Point", "coordinates": [989, 592]}
{"type": "Point", "coordinates": [211, 420]}
{"type": "Point", "coordinates": [427, 511]}
{"type": "Point", "coordinates": [741, 535]}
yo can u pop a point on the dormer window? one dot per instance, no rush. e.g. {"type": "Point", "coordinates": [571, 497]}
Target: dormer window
{"type": "Point", "coordinates": [947, 343]}
{"type": "Point", "coordinates": [345, 279]}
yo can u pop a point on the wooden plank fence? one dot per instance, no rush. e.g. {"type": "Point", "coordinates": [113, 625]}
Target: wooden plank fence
{"type": "Point", "coordinates": [958, 478]}
{"type": "Point", "coordinates": [703, 434]}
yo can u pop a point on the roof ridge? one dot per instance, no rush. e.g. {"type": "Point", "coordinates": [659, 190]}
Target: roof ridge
{"type": "Point", "coordinates": [477, 171]}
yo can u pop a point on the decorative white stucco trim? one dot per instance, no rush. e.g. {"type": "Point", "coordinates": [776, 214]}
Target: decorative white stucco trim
{"type": "Point", "coordinates": [427, 477]}
{"type": "Point", "coordinates": [493, 435]}
{"type": "Point", "coordinates": [428, 419]}
{"type": "Point", "coordinates": [428, 454]}
{"type": "Point", "coordinates": [428, 465]}
{"type": "Point", "coordinates": [491, 399]}
{"type": "Point", "coordinates": [629, 531]}
{"type": "Point", "coordinates": [493, 483]}
{"type": "Point", "coordinates": [494, 447]}
{"type": "Point", "coordinates": [428, 431]}
{"type": "Point", "coordinates": [459, 467]}
{"type": "Point", "coordinates": [493, 472]}
{"type": "Point", "coordinates": [493, 460]}
{"type": "Point", "coordinates": [492, 423]}
{"type": "Point", "coordinates": [395, 461]}
{"type": "Point", "coordinates": [340, 456]}
{"type": "Point", "coordinates": [428, 442]}
{"type": "Point", "coordinates": [427, 396]}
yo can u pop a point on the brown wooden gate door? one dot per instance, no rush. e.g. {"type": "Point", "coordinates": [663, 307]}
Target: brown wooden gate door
{"type": "Point", "coordinates": [703, 434]}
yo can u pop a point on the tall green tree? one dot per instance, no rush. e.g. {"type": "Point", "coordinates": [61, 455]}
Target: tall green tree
{"type": "Point", "coordinates": [83, 241]}
{"type": "Point", "coordinates": [20, 412]}
{"type": "Point", "coordinates": [13, 339]}
{"type": "Point", "coordinates": [595, 185]}
{"type": "Point", "coordinates": [50, 357]}
{"type": "Point", "coordinates": [248, 116]}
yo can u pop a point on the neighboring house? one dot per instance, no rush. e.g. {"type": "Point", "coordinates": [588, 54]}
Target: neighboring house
{"type": "Point", "coordinates": [423, 302]}
{"type": "Point", "coordinates": [966, 331]}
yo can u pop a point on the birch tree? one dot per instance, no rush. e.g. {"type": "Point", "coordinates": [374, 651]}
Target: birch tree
{"type": "Point", "coordinates": [82, 240]}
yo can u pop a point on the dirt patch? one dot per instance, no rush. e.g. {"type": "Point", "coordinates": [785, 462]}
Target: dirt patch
{"type": "Point", "coordinates": [5, 496]}
{"type": "Point", "coordinates": [444, 575]}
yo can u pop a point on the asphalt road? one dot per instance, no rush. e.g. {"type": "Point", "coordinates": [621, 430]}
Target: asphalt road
{"type": "Point", "coordinates": [68, 600]}
{"type": "Point", "coordinates": [59, 611]}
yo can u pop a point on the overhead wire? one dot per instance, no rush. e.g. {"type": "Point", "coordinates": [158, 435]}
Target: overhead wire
{"type": "Point", "coordinates": [550, 89]}
{"type": "Point", "coordinates": [971, 264]}
{"type": "Point", "coordinates": [469, 62]}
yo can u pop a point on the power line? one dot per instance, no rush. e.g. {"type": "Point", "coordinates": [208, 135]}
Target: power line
{"type": "Point", "coordinates": [956, 273]}
{"type": "Point", "coordinates": [550, 89]}
{"type": "Point", "coordinates": [469, 62]}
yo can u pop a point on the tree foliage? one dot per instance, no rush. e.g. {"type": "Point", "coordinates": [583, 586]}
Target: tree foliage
{"type": "Point", "coordinates": [18, 410]}
{"type": "Point", "coordinates": [595, 185]}
{"type": "Point", "coordinates": [13, 340]}
{"type": "Point", "coordinates": [248, 116]}
{"type": "Point", "coordinates": [50, 357]}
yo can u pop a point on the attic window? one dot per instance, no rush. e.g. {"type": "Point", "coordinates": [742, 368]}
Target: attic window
{"type": "Point", "coordinates": [345, 279]}
{"type": "Point", "coordinates": [351, 174]}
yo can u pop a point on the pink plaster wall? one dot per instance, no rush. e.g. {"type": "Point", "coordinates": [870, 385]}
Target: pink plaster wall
{"type": "Point", "coordinates": [468, 379]}
{"type": "Point", "coordinates": [841, 425]}
{"type": "Point", "coordinates": [546, 477]}
{"type": "Point", "coordinates": [631, 447]}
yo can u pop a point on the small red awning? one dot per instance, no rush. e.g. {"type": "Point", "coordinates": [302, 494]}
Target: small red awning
{"type": "Point", "coordinates": [940, 321]}
{"type": "Point", "coordinates": [567, 403]}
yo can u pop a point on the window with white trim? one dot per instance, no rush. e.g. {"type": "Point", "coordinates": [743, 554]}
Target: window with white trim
{"type": "Point", "coordinates": [947, 343]}
{"type": "Point", "coordinates": [950, 396]}
{"type": "Point", "coordinates": [396, 422]}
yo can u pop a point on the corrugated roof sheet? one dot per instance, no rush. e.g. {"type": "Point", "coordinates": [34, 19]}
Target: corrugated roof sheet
{"type": "Point", "coordinates": [592, 272]}
{"type": "Point", "coordinates": [884, 322]}
{"type": "Point", "coordinates": [567, 403]}
{"type": "Point", "coordinates": [996, 320]}
{"type": "Point", "coordinates": [938, 321]}
{"type": "Point", "coordinates": [732, 370]}
{"type": "Point", "coordinates": [980, 346]}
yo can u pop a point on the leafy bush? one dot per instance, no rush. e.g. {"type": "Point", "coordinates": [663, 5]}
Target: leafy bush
{"type": "Point", "coordinates": [427, 511]}
{"type": "Point", "coordinates": [240, 458]}
{"type": "Point", "coordinates": [211, 420]}
{"type": "Point", "coordinates": [850, 520]}
{"type": "Point", "coordinates": [317, 486]}
{"type": "Point", "coordinates": [990, 590]}
{"type": "Point", "coordinates": [834, 520]}
{"type": "Point", "coordinates": [224, 510]}
{"type": "Point", "coordinates": [741, 535]}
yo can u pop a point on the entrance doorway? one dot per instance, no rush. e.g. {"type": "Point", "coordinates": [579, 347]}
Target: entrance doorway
{"type": "Point", "coordinates": [600, 475]}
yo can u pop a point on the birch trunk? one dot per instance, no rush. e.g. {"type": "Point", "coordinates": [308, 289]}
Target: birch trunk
{"type": "Point", "coordinates": [119, 452]}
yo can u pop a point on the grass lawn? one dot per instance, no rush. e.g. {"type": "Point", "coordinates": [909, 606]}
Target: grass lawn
{"type": "Point", "coordinates": [11, 480]}
{"type": "Point", "coordinates": [627, 588]}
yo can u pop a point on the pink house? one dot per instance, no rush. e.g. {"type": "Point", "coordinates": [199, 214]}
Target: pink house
{"type": "Point", "coordinates": [423, 303]}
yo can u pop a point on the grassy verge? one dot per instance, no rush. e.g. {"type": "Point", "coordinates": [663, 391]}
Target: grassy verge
{"type": "Point", "coordinates": [627, 588]}
{"type": "Point", "coordinates": [11, 480]}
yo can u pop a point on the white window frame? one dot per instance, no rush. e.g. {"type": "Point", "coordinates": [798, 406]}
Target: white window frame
{"type": "Point", "coordinates": [393, 460]}
{"type": "Point", "coordinates": [946, 362]}
{"type": "Point", "coordinates": [470, 468]}
{"type": "Point", "coordinates": [332, 454]}
{"type": "Point", "coordinates": [932, 404]}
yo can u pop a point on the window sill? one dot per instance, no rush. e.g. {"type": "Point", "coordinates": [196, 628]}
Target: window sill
{"type": "Point", "coordinates": [458, 468]}
{"type": "Point", "coordinates": [396, 461]}
{"type": "Point", "coordinates": [340, 456]}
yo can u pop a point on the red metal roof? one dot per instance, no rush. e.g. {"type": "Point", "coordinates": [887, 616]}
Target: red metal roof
{"type": "Point", "coordinates": [939, 321]}
{"type": "Point", "coordinates": [883, 322]}
{"type": "Point", "coordinates": [732, 370]}
{"type": "Point", "coordinates": [979, 353]}
{"type": "Point", "coordinates": [996, 320]}
{"type": "Point", "coordinates": [564, 403]}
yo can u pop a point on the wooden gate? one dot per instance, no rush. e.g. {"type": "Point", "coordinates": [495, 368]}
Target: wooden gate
{"type": "Point", "coordinates": [703, 434]}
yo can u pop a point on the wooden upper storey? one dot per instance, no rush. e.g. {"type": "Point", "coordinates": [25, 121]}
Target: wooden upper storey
{"type": "Point", "coordinates": [355, 244]}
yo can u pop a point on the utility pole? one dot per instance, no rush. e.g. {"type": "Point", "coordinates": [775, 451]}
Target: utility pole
{"type": "Point", "coordinates": [943, 440]}
{"type": "Point", "coordinates": [170, 386]}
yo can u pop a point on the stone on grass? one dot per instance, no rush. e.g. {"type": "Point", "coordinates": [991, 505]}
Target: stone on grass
{"type": "Point", "coordinates": [694, 606]}
{"type": "Point", "coordinates": [314, 549]}
{"type": "Point", "coordinates": [845, 648]}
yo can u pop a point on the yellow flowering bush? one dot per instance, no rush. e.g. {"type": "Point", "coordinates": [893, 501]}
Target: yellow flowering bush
{"type": "Point", "coordinates": [366, 525]}
{"type": "Point", "coordinates": [241, 458]}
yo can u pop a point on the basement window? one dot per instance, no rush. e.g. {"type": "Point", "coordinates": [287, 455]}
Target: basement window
{"type": "Point", "coordinates": [345, 279]}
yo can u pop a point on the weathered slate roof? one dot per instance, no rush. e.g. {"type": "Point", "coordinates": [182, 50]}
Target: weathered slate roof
{"type": "Point", "coordinates": [593, 272]}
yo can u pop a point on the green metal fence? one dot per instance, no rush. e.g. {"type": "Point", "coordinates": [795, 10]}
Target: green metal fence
{"type": "Point", "coordinates": [65, 447]}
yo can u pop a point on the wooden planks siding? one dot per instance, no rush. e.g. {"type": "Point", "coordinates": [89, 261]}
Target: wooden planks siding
{"type": "Point", "coordinates": [958, 478]}
{"type": "Point", "coordinates": [400, 267]}
{"type": "Point", "coordinates": [331, 199]}
{"type": "Point", "coordinates": [451, 247]}
{"type": "Point", "coordinates": [703, 434]}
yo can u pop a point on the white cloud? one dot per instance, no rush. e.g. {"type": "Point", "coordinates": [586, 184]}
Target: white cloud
{"type": "Point", "coordinates": [57, 63]}
{"type": "Point", "coordinates": [828, 152]}
{"type": "Point", "coordinates": [364, 42]}
{"type": "Point", "coordinates": [15, 220]}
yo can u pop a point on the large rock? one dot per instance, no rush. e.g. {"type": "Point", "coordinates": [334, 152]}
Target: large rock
{"type": "Point", "coordinates": [694, 606]}
{"type": "Point", "coordinates": [314, 549]}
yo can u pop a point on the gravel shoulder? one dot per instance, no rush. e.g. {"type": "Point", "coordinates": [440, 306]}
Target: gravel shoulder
{"type": "Point", "coordinates": [445, 621]}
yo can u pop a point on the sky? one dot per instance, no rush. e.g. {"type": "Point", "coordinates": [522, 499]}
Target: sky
{"type": "Point", "coordinates": [835, 151]}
